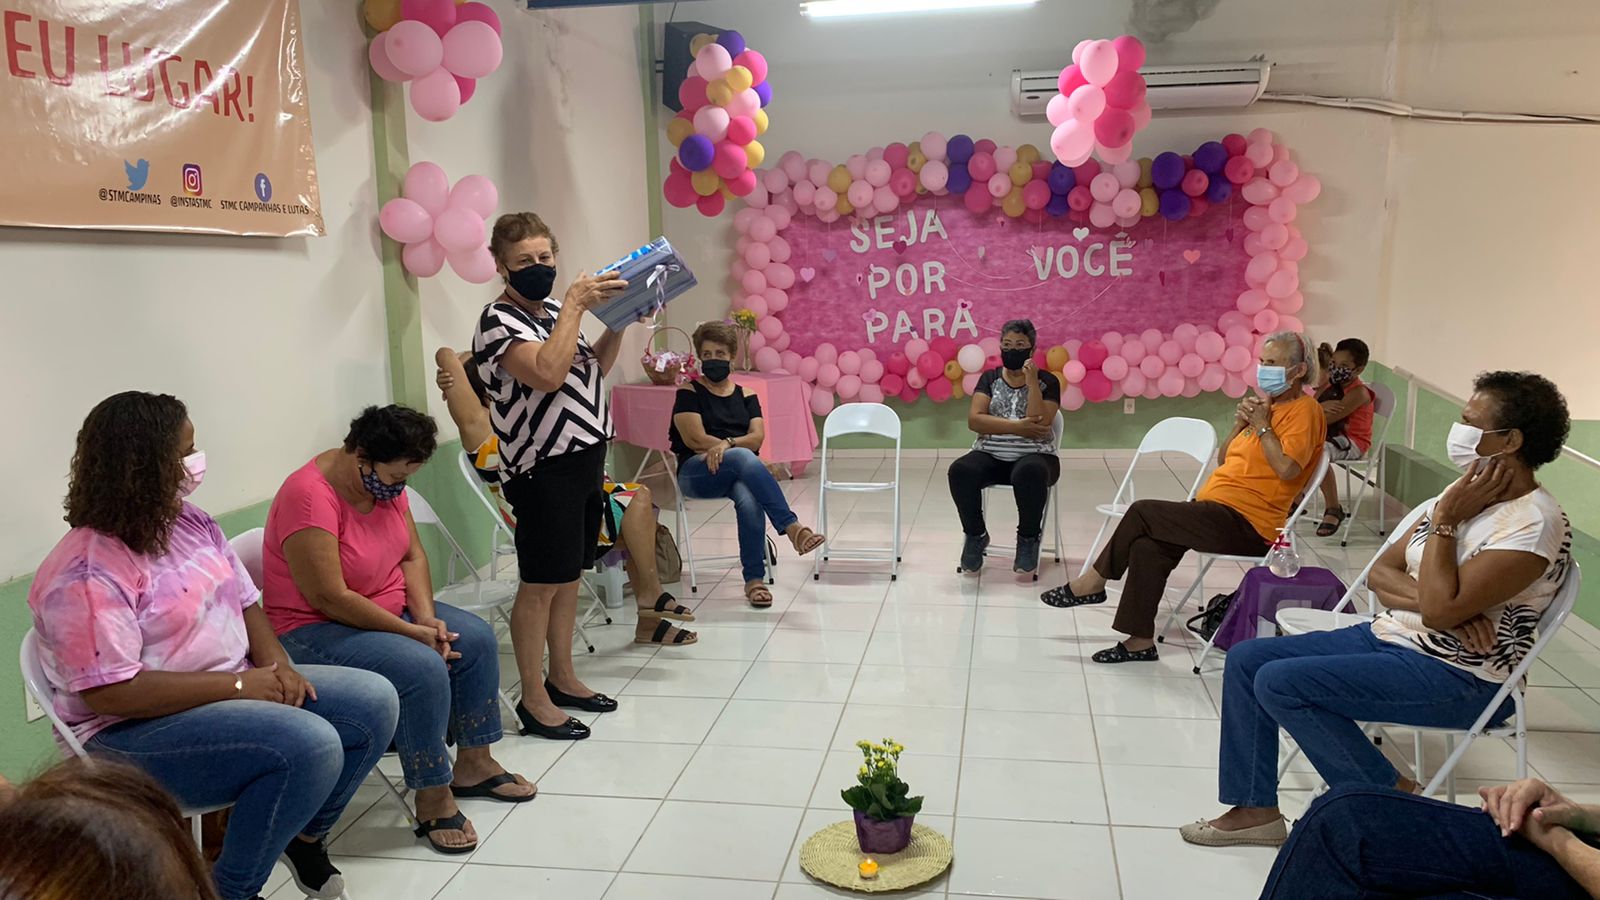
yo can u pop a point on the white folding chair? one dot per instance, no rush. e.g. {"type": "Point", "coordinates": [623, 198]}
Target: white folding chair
{"type": "Point", "coordinates": [1207, 560]}
{"type": "Point", "coordinates": [1299, 620]}
{"type": "Point", "coordinates": [686, 546]}
{"type": "Point", "coordinates": [1194, 438]}
{"type": "Point", "coordinates": [43, 693]}
{"type": "Point", "coordinates": [1052, 509]}
{"type": "Point", "coordinates": [1373, 462]}
{"type": "Point", "coordinates": [859, 418]}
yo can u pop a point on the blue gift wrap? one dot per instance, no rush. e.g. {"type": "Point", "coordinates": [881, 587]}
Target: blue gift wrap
{"type": "Point", "coordinates": [655, 274]}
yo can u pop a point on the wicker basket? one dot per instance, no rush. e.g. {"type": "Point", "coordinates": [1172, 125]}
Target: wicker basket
{"type": "Point", "coordinates": [672, 373]}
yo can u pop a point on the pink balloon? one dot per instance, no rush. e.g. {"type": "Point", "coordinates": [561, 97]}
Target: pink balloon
{"type": "Point", "coordinates": [712, 121]}
{"type": "Point", "coordinates": [763, 229]}
{"type": "Point", "coordinates": [427, 184]}
{"type": "Point", "coordinates": [1186, 334]}
{"type": "Point", "coordinates": [468, 86]}
{"type": "Point", "coordinates": [478, 12]}
{"type": "Point", "coordinates": [1291, 323]}
{"type": "Point", "coordinates": [1295, 250]}
{"type": "Point", "coordinates": [1130, 52]}
{"type": "Point", "coordinates": [1289, 305]}
{"type": "Point", "coordinates": [1152, 366]}
{"type": "Point", "coordinates": [1074, 371]}
{"type": "Point", "coordinates": [1259, 192]}
{"type": "Point", "coordinates": [940, 389]}
{"type": "Point", "coordinates": [1274, 236]}
{"type": "Point", "coordinates": [1036, 195]}
{"type": "Point", "coordinates": [1256, 219]}
{"type": "Point", "coordinates": [916, 380]}
{"type": "Point", "coordinates": [1134, 352]}
{"type": "Point", "coordinates": [1005, 158]}
{"type": "Point", "coordinates": [849, 362]}
{"type": "Point", "coordinates": [1170, 352]}
{"type": "Point", "coordinates": [872, 371]}
{"type": "Point", "coordinates": [859, 194]}
{"type": "Point", "coordinates": [849, 387]}
{"type": "Point", "coordinates": [1191, 365]}
{"type": "Point", "coordinates": [1260, 268]}
{"type": "Point", "coordinates": [1210, 346]}
{"type": "Point", "coordinates": [758, 256]}
{"type": "Point", "coordinates": [414, 48]}
{"type": "Point", "coordinates": [378, 56]}
{"type": "Point", "coordinates": [856, 165]}
{"type": "Point", "coordinates": [1142, 115]}
{"type": "Point", "coordinates": [745, 103]}
{"type": "Point", "coordinates": [1304, 190]}
{"type": "Point", "coordinates": [931, 365]}
{"type": "Point", "coordinates": [476, 193]}
{"type": "Point", "coordinates": [826, 354]}
{"type": "Point", "coordinates": [1115, 368]}
{"type": "Point", "coordinates": [1126, 203]}
{"type": "Point", "coordinates": [475, 266]}
{"type": "Point", "coordinates": [1133, 385]}
{"type": "Point", "coordinates": [878, 173]}
{"type": "Point", "coordinates": [791, 361]}
{"type": "Point", "coordinates": [904, 181]}
{"type": "Point", "coordinates": [435, 96]}
{"type": "Point", "coordinates": [781, 217]}
{"type": "Point", "coordinates": [741, 130]}
{"type": "Point", "coordinates": [969, 381]}
{"type": "Point", "coordinates": [1239, 170]}
{"type": "Point", "coordinates": [1095, 386]}
{"type": "Point", "coordinates": [870, 393]}
{"type": "Point", "coordinates": [1234, 386]}
{"type": "Point", "coordinates": [754, 282]}
{"type": "Point", "coordinates": [1072, 398]}
{"type": "Point", "coordinates": [1152, 339]}
{"type": "Point", "coordinates": [805, 194]}
{"type": "Point", "coordinates": [472, 50]}
{"type": "Point", "coordinates": [1102, 216]}
{"type": "Point", "coordinates": [755, 62]}
{"type": "Point", "coordinates": [1281, 285]}
{"type": "Point", "coordinates": [768, 359]}
{"type": "Point", "coordinates": [1171, 383]}
{"type": "Point", "coordinates": [982, 167]}
{"type": "Point", "coordinates": [1282, 210]}
{"type": "Point", "coordinates": [1259, 154]}
{"type": "Point", "coordinates": [438, 15]}
{"type": "Point", "coordinates": [1058, 111]}
{"type": "Point", "coordinates": [892, 384]}
{"type": "Point", "coordinates": [934, 146]}
{"type": "Point", "coordinates": [1266, 321]}
{"type": "Point", "coordinates": [713, 62]}
{"type": "Point", "coordinates": [780, 276]}
{"type": "Point", "coordinates": [808, 368]}
{"type": "Point", "coordinates": [1253, 301]}
{"type": "Point", "coordinates": [914, 350]}
{"type": "Point", "coordinates": [776, 180]}
{"type": "Point", "coordinates": [1098, 63]}
{"type": "Point", "coordinates": [821, 401]}
{"type": "Point", "coordinates": [1125, 90]}
{"type": "Point", "coordinates": [1195, 183]}
{"type": "Point", "coordinates": [405, 221]}
{"type": "Point", "coordinates": [1242, 336]}
{"type": "Point", "coordinates": [1283, 173]}
{"type": "Point", "coordinates": [827, 374]}
{"type": "Point", "coordinates": [977, 199]}
{"type": "Point", "coordinates": [1086, 103]}
{"type": "Point", "coordinates": [776, 300]}
{"type": "Point", "coordinates": [1093, 354]}
{"type": "Point", "coordinates": [424, 258]}
{"type": "Point", "coordinates": [1104, 187]}
{"type": "Point", "coordinates": [1114, 128]}
{"type": "Point", "coordinates": [458, 229]}
{"type": "Point", "coordinates": [1072, 143]}
{"type": "Point", "coordinates": [1212, 378]}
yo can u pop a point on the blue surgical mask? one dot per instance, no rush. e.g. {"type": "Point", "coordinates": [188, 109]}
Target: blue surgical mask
{"type": "Point", "coordinates": [378, 489]}
{"type": "Point", "coordinates": [1273, 380]}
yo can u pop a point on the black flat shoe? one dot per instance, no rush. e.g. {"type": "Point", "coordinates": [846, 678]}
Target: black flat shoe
{"type": "Point", "coordinates": [599, 703]}
{"type": "Point", "coordinates": [570, 730]}
{"type": "Point", "coordinates": [1121, 654]}
{"type": "Point", "coordinates": [1062, 597]}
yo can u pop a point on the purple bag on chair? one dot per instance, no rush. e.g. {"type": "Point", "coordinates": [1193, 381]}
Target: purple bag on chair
{"type": "Point", "coordinates": [1261, 594]}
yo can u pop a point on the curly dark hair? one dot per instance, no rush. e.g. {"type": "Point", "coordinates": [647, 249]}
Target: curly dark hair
{"type": "Point", "coordinates": [127, 471]}
{"type": "Point", "coordinates": [1357, 348]}
{"type": "Point", "coordinates": [386, 434]}
{"type": "Point", "coordinates": [1533, 405]}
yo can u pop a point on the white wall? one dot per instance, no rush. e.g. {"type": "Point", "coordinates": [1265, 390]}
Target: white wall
{"type": "Point", "coordinates": [559, 129]}
{"type": "Point", "coordinates": [1495, 226]}
{"type": "Point", "coordinates": [843, 86]}
{"type": "Point", "coordinates": [273, 344]}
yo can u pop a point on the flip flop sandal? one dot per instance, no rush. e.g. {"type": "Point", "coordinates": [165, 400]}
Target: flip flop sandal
{"type": "Point", "coordinates": [1329, 529]}
{"type": "Point", "coordinates": [807, 541]}
{"type": "Point", "coordinates": [667, 608]}
{"type": "Point", "coordinates": [758, 595]}
{"type": "Point", "coordinates": [1063, 598]}
{"type": "Point", "coordinates": [485, 789]}
{"type": "Point", "coordinates": [1121, 654]}
{"type": "Point", "coordinates": [457, 822]}
{"type": "Point", "coordinates": [682, 638]}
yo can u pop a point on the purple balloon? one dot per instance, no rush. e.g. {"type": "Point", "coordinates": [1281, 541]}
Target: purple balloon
{"type": "Point", "coordinates": [1210, 157]}
{"type": "Point", "coordinates": [959, 149]}
{"type": "Point", "coordinates": [733, 41]}
{"type": "Point", "coordinates": [697, 152]}
{"type": "Point", "coordinates": [764, 91]}
{"type": "Point", "coordinates": [1219, 191]}
{"type": "Point", "coordinates": [1057, 206]}
{"type": "Point", "coordinates": [1061, 180]}
{"type": "Point", "coordinates": [1166, 171]}
{"type": "Point", "coordinates": [960, 179]}
{"type": "Point", "coordinates": [1174, 203]}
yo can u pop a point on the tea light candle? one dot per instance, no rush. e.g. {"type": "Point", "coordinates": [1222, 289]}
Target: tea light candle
{"type": "Point", "coordinates": [868, 868]}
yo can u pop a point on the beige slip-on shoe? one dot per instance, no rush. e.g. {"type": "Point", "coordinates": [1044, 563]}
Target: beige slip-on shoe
{"type": "Point", "coordinates": [1272, 834]}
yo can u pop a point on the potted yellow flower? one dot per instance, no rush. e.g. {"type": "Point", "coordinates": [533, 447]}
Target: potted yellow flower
{"type": "Point", "coordinates": [884, 809]}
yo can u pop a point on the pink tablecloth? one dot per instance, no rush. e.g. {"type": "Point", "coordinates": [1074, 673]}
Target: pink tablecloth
{"type": "Point", "coordinates": [643, 412]}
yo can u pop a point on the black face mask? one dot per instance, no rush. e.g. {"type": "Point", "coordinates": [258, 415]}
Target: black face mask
{"type": "Point", "coordinates": [1015, 359]}
{"type": "Point", "coordinates": [533, 282]}
{"type": "Point", "coordinates": [716, 370]}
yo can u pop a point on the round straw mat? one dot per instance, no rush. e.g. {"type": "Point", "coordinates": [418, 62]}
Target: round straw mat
{"type": "Point", "coordinates": [832, 854]}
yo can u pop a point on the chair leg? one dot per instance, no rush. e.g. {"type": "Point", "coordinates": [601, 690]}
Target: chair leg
{"type": "Point", "coordinates": [197, 828]}
{"type": "Point", "coordinates": [1055, 514]}
{"type": "Point", "coordinates": [399, 796]}
{"type": "Point", "coordinates": [1093, 547]}
{"type": "Point", "coordinates": [1288, 760]}
{"type": "Point", "coordinates": [686, 545]}
{"type": "Point", "coordinates": [1355, 507]}
{"type": "Point", "coordinates": [1199, 584]}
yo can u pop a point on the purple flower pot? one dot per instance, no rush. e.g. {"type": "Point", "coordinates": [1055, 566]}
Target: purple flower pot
{"type": "Point", "coordinates": [883, 837]}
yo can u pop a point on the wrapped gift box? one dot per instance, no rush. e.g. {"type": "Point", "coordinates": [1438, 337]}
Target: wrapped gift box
{"type": "Point", "coordinates": [655, 274]}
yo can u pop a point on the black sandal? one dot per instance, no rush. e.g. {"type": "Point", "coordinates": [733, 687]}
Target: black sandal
{"type": "Point", "coordinates": [659, 636]}
{"type": "Point", "coordinates": [485, 789]}
{"type": "Point", "coordinates": [1327, 529]}
{"type": "Point", "coordinates": [1063, 598]}
{"type": "Point", "coordinates": [570, 730]}
{"type": "Point", "coordinates": [667, 608]}
{"type": "Point", "coordinates": [457, 822]}
{"type": "Point", "coordinates": [595, 703]}
{"type": "Point", "coordinates": [1121, 654]}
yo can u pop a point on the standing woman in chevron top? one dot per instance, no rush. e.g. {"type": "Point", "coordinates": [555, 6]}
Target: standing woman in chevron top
{"type": "Point", "coordinates": [549, 410]}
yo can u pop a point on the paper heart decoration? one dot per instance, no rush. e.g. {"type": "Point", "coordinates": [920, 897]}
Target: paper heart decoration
{"type": "Point", "coordinates": [1079, 234]}
{"type": "Point", "coordinates": [1191, 256]}
{"type": "Point", "coordinates": [830, 255]}
{"type": "Point", "coordinates": [901, 245]}
{"type": "Point", "coordinates": [1162, 276]}
{"type": "Point", "coordinates": [807, 273]}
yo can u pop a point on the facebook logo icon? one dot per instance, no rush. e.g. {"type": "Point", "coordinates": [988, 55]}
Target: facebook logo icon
{"type": "Point", "coordinates": [263, 187]}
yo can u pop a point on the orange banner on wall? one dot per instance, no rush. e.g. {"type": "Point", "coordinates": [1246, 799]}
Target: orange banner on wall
{"type": "Point", "coordinates": [157, 115]}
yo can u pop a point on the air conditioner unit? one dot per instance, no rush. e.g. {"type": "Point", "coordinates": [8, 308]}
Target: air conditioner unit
{"type": "Point", "coordinates": [1201, 86]}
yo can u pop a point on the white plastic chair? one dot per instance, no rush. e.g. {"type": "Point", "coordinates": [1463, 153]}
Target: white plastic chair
{"type": "Point", "coordinates": [1194, 438]}
{"type": "Point", "coordinates": [1052, 509]}
{"type": "Point", "coordinates": [686, 546]}
{"type": "Point", "coordinates": [43, 693]}
{"type": "Point", "coordinates": [1207, 560]}
{"type": "Point", "coordinates": [1382, 405]}
{"type": "Point", "coordinates": [859, 418]}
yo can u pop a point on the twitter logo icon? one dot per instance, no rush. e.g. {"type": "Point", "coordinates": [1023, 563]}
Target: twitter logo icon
{"type": "Point", "coordinates": [138, 174]}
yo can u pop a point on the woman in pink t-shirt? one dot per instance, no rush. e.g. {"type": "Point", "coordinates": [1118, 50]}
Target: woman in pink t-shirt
{"type": "Point", "coordinates": [150, 632]}
{"type": "Point", "coordinates": [347, 583]}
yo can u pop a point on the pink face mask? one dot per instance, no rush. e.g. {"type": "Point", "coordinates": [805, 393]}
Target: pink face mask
{"type": "Point", "coordinates": [195, 465]}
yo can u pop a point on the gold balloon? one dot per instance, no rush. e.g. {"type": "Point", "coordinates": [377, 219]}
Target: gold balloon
{"type": "Point", "coordinates": [756, 153]}
{"type": "Point", "coordinates": [740, 79]}
{"type": "Point", "coordinates": [1013, 205]}
{"type": "Point", "coordinates": [699, 43]}
{"type": "Point", "coordinates": [1021, 173]}
{"type": "Point", "coordinates": [956, 389]}
{"type": "Point", "coordinates": [915, 160]}
{"type": "Point", "coordinates": [839, 180]}
{"type": "Point", "coordinates": [952, 371]}
{"type": "Point", "coordinates": [719, 93]}
{"type": "Point", "coordinates": [1144, 173]}
{"type": "Point", "coordinates": [1055, 358]}
{"type": "Point", "coordinates": [705, 182]}
{"type": "Point", "coordinates": [1029, 154]}
{"type": "Point", "coordinates": [727, 193]}
{"type": "Point", "coordinates": [1149, 202]}
{"type": "Point", "coordinates": [381, 14]}
{"type": "Point", "coordinates": [761, 122]}
{"type": "Point", "coordinates": [843, 206]}
{"type": "Point", "coordinates": [678, 130]}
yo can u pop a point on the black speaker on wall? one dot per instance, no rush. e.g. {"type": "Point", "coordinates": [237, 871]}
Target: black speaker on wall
{"type": "Point", "coordinates": [676, 58]}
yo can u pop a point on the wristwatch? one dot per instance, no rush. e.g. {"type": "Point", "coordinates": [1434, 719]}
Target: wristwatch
{"type": "Point", "coordinates": [1263, 430]}
{"type": "Point", "coordinates": [238, 684]}
{"type": "Point", "coordinates": [732, 444]}
{"type": "Point", "coordinates": [1444, 531]}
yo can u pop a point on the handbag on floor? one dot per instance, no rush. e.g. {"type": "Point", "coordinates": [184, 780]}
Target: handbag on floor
{"type": "Point", "coordinates": [669, 564]}
{"type": "Point", "coordinates": [1211, 615]}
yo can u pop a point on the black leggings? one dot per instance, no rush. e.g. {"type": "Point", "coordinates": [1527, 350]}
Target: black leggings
{"type": "Point", "coordinates": [1030, 478]}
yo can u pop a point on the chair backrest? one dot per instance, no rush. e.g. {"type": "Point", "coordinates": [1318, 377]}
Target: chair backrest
{"type": "Point", "coordinates": [423, 513]}
{"type": "Point", "coordinates": [248, 546]}
{"type": "Point", "coordinates": [481, 491]}
{"type": "Point", "coordinates": [1058, 428]}
{"type": "Point", "coordinates": [1401, 531]}
{"type": "Point", "coordinates": [1382, 399]}
{"type": "Point", "coordinates": [43, 692]}
{"type": "Point", "coordinates": [862, 418]}
{"type": "Point", "coordinates": [1194, 438]}
{"type": "Point", "coordinates": [1324, 462]}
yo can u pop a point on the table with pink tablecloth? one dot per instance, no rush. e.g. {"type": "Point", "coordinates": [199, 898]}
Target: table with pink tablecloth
{"type": "Point", "coordinates": [642, 413]}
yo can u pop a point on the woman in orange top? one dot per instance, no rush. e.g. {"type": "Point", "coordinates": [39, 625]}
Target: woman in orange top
{"type": "Point", "coordinates": [1264, 463]}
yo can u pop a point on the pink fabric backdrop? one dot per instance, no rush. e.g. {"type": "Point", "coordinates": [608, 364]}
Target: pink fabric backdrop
{"type": "Point", "coordinates": [642, 413]}
{"type": "Point", "coordinates": [1168, 273]}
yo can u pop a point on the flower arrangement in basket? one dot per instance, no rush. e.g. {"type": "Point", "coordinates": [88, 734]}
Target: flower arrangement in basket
{"type": "Point", "coordinates": [745, 321]}
{"type": "Point", "coordinates": [670, 366]}
{"type": "Point", "coordinates": [884, 809]}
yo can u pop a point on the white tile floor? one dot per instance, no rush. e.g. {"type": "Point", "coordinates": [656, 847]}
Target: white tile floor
{"type": "Point", "coordinates": [1054, 777]}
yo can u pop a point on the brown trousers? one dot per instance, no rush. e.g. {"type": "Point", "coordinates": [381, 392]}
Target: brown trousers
{"type": "Point", "coordinates": [1151, 540]}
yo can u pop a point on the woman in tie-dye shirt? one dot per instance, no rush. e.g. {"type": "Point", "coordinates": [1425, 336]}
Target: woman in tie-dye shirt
{"type": "Point", "coordinates": [151, 633]}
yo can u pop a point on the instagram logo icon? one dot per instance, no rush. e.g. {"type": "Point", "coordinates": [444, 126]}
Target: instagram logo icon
{"type": "Point", "coordinates": [191, 179]}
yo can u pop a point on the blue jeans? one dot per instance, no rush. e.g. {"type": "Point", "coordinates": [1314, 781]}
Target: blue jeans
{"type": "Point", "coordinates": [462, 698]}
{"type": "Point", "coordinates": [1361, 842]}
{"type": "Point", "coordinates": [744, 479]}
{"type": "Point", "coordinates": [286, 770]}
{"type": "Point", "coordinates": [1317, 687]}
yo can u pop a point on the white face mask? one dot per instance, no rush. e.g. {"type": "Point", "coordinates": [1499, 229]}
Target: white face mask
{"type": "Point", "coordinates": [1462, 444]}
{"type": "Point", "coordinates": [195, 465]}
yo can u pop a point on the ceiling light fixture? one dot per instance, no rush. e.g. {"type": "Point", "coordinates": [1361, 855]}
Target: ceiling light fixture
{"type": "Point", "coordinates": [832, 9]}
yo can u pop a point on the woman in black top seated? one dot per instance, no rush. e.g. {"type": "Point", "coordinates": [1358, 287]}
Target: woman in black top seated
{"type": "Point", "coordinates": [716, 431]}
